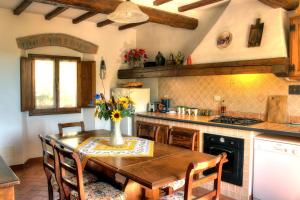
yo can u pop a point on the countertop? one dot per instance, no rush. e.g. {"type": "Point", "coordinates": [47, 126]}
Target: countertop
{"type": "Point", "coordinates": [265, 127]}
{"type": "Point", "coordinates": [7, 177]}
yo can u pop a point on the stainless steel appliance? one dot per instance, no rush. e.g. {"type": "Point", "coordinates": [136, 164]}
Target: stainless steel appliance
{"type": "Point", "coordinates": [234, 147]}
{"type": "Point", "coordinates": [236, 120]}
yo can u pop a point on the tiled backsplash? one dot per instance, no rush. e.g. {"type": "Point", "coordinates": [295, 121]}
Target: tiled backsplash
{"type": "Point", "coordinates": [242, 93]}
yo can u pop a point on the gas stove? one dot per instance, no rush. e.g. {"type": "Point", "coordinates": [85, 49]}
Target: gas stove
{"type": "Point", "coordinates": [236, 120]}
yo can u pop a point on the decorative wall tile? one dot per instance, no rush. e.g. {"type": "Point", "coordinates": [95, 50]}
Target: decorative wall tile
{"type": "Point", "coordinates": [242, 93]}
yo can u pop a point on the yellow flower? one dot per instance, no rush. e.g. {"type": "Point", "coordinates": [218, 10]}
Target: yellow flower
{"type": "Point", "coordinates": [98, 102]}
{"type": "Point", "coordinates": [123, 100]}
{"type": "Point", "coordinates": [116, 116]}
{"type": "Point", "coordinates": [125, 105]}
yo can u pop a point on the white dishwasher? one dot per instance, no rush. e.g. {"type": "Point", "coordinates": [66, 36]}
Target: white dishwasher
{"type": "Point", "coordinates": [276, 168]}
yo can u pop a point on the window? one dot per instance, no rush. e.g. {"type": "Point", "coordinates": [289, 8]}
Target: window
{"type": "Point", "coordinates": [55, 85]}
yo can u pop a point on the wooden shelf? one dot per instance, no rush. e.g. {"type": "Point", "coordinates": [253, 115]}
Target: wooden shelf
{"type": "Point", "coordinates": [277, 66]}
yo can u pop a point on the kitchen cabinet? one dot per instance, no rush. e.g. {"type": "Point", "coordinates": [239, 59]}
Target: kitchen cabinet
{"type": "Point", "coordinates": [295, 47]}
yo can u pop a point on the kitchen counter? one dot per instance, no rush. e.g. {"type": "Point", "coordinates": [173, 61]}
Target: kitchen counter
{"type": "Point", "coordinates": [265, 127]}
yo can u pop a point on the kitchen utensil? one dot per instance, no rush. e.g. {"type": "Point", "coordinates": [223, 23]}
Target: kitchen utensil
{"type": "Point", "coordinates": [188, 111]}
{"type": "Point", "coordinates": [182, 110]}
{"type": "Point", "coordinates": [277, 110]}
{"type": "Point", "coordinates": [194, 111]}
{"type": "Point", "coordinates": [179, 110]}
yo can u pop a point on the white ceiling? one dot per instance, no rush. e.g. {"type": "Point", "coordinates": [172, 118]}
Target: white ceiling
{"type": "Point", "coordinates": [43, 9]}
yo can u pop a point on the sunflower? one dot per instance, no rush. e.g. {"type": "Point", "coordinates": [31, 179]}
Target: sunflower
{"type": "Point", "coordinates": [116, 116]}
{"type": "Point", "coordinates": [123, 100]}
{"type": "Point", "coordinates": [125, 105]}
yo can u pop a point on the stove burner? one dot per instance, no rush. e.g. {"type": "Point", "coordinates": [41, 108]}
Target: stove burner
{"type": "Point", "coordinates": [236, 120]}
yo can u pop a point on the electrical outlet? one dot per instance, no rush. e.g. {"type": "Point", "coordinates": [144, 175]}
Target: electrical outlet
{"type": "Point", "coordinates": [294, 89]}
{"type": "Point", "coordinates": [217, 98]}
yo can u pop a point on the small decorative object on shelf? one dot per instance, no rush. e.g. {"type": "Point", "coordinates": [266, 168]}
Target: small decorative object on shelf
{"type": "Point", "coordinates": [135, 57]}
{"type": "Point", "coordinates": [171, 60]}
{"type": "Point", "coordinates": [256, 32]}
{"type": "Point", "coordinates": [224, 40]}
{"type": "Point", "coordinates": [179, 58]}
{"type": "Point", "coordinates": [159, 59]}
{"type": "Point", "coordinates": [114, 110]}
{"type": "Point", "coordinates": [189, 60]}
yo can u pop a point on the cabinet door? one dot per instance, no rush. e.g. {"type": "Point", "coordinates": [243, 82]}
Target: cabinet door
{"type": "Point", "coordinates": [294, 46]}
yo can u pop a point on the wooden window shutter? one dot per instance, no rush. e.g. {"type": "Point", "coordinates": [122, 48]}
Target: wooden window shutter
{"type": "Point", "coordinates": [88, 83]}
{"type": "Point", "coordinates": [26, 83]}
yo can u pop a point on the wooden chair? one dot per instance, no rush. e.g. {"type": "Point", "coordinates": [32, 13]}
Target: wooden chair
{"type": "Point", "coordinates": [183, 137]}
{"type": "Point", "coordinates": [191, 183]}
{"type": "Point", "coordinates": [147, 130]}
{"type": "Point", "coordinates": [61, 126]}
{"type": "Point", "coordinates": [76, 190]}
{"type": "Point", "coordinates": [49, 166]}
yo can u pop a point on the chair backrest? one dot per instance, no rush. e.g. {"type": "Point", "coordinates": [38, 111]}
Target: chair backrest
{"type": "Point", "coordinates": [65, 168]}
{"type": "Point", "coordinates": [61, 126]}
{"type": "Point", "coordinates": [147, 130]}
{"type": "Point", "coordinates": [197, 169]}
{"type": "Point", "coordinates": [48, 155]}
{"type": "Point", "coordinates": [183, 137]}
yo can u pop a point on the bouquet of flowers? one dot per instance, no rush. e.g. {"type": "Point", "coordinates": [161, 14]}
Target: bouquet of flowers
{"type": "Point", "coordinates": [135, 55]}
{"type": "Point", "coordinates": [114, 109]}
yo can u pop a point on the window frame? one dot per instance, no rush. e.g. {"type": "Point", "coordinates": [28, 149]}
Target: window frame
{"type": "Point", "coordinates": [57, 110]}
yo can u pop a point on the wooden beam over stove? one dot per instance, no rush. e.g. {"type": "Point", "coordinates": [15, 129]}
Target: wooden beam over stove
{"type": "Point", "coordinates": [127, 26]}
{"type": "Point", "coordinates": [104, 23]}
{"type": "Point", "coordinates": [286, 4]}
{"type": "Point", "coordinates": [108, 6]}
{"type": "Point", "coordinates": [84, 17]}
{"type": "Point", "coordinates": [197, 4]}
{"type": "Point", "coordinates": [55, 12]}
{"type": "Point", "coordinates": [22, 6]}
{"type": "Point", "coordinates": [160, 2]}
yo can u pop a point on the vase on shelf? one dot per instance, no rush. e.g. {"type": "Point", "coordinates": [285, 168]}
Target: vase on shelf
{"type": "Point", "coordinates": [136, 64]}
{"type": "Point", "coordinates": [116, 138]}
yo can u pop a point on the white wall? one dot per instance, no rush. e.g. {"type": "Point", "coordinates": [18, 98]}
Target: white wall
{"type": "Point", "coordinates": [156, 37]}
{"type": "Point", "coordinates": [237, 18]}
{"type": "Point", "coordinates": [18, 131]}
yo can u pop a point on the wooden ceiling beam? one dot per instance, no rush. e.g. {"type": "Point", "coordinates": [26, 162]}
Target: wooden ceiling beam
{"type": "Point", "coordinates": [104, 23]}
{"type": "Point", "coordinates": [21, 7]}
{"type": "Point", "coordinates": [108, 6]}
{"type": "Point", "coordinates": [160, 2]}
{"type": "Point", "coordinates": [285, 4]}
{"type": "Point", "coordinates": [55, 12]}
{"type": "Point", "coordinates": [127, 26]}
{"type": "Point", "coordinates": [197, 4]}
{"type": "Point", "coordinates": [84, 17]}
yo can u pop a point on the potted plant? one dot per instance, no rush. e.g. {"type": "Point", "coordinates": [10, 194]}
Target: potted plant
{"type": "Point", "coordinates": [135, 57]}
{"type": "Point", "coordinates": [114, 110]}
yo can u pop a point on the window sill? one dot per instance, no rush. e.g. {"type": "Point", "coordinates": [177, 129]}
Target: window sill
{"type": "Point", "coordinates": [40, 112]}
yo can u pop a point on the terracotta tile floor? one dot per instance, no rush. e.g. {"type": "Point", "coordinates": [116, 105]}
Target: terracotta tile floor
{"type": "Point", "coordinates": [33, 182]}
{"type": "Point", "coordinates": [34, 185]}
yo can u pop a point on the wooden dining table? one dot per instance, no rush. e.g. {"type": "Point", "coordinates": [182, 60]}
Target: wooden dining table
{"type": "Point", "coordinates": [145, 175]}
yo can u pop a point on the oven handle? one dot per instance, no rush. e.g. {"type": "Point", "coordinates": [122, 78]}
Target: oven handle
{"type": "Point", "coordinates": [222, 149]}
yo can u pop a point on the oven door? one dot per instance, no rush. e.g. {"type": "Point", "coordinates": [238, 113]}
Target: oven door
{"type": "Point", "coordinates": [228, 167]}
{"type": "Point", "coordinates": [232, 170]}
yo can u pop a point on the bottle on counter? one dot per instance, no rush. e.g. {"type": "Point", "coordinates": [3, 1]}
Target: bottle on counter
{"type": "Point", "coordinates": [223, 108]}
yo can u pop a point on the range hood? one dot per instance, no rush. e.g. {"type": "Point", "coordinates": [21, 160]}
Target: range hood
{"type": "Point", "coordinates": [237, 18]}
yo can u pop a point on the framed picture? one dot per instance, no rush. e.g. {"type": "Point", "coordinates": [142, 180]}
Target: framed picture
{"type": "Point", "coordinates": [255, 35]}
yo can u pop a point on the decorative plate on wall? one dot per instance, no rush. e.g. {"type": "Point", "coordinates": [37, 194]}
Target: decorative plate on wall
{"type": "Point", "coordinates": [224, 40]}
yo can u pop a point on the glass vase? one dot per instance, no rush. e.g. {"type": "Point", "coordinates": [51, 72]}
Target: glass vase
{"type": "Point", "coordinates": [116, 138]}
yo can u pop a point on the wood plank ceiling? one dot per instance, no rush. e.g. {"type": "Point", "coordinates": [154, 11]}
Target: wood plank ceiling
{"type": "Point", "coordinates": [92, 8]}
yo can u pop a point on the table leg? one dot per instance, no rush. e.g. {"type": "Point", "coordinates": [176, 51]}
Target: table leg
{"type": "Point", "coordinates": [133, 190]}
{"type": "Point", "coordinates": [151, 194]}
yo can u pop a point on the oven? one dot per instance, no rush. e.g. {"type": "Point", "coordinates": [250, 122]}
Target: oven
{"type": "Point", "coordinates": [234, 147]}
